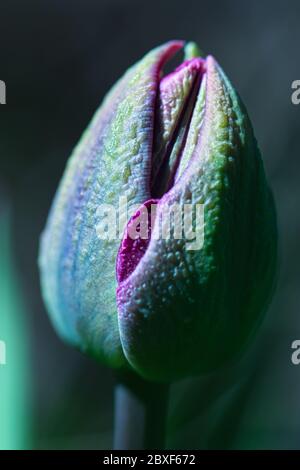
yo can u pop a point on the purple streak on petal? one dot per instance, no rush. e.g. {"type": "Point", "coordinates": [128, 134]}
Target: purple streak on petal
{"type": "Point", "coordinates": [133, 249]}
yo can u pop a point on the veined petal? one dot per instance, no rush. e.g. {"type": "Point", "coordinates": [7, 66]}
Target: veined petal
{"type": "Point", "coordinates": [113, 159]}
{"type": "Point", "coordinates": [185, 312]}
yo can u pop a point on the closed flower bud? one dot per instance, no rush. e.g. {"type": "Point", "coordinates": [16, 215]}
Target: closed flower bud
{"type": "Point", "coordinates": [185, 296]}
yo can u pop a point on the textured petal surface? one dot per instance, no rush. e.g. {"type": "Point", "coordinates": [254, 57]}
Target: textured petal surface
{"type": "Point", "coordinates": [185, 312]}
{"type": "Point", "coordinates": [113, 159]}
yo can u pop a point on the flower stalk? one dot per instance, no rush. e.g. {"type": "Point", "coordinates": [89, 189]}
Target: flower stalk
{"type": "Point", "coordinates": [140, 413]}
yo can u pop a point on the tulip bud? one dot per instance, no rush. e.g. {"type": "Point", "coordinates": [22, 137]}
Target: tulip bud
{"type": "Point", "coordinates": [166, 306]}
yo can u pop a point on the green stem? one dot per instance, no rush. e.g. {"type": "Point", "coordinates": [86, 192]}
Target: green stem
{"type": "Point", "coordinates": [140, 413]}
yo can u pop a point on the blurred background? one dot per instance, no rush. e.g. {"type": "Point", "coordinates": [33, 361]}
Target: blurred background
{"type": "Point", "coordinates": [58, 59]}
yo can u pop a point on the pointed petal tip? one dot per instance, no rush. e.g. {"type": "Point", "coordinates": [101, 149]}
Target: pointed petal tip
{"type": "Point", "coordinates": [192, 50]}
